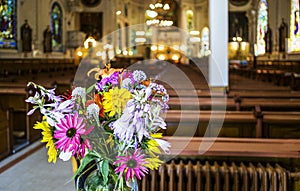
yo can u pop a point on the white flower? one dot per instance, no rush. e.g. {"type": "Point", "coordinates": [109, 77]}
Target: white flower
{"type": "Point", "coordinates": [139, 75]}
{"type": "Point", "coordinates": [127, 83]}
{"type": "Point", "coordinates": [92, 111]}
{"type": "Point", "coordinates": [65, 156]}
{"type": "Point", "coordinates": [164, 145]}
{"type": "Point", "coordinates": [78, 91]}
{"type": "Point", "coordinates": [65, 107]}
{"type": "Point", "coordinates": [122, 127]}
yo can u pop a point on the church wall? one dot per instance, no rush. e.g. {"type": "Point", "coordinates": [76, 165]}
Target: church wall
{"type": "Point", "coordinates": [278, 9]}
{"type": "Point", "coordinates": [201, 19]}
{"type": "Point", "coordinates": [23, 8]}
{"type": "Point", "coordinates": [38, 14]}
{"type": "Point", "coordinates": [272, 20]}
{"type": "Point", "coordinates": [109, 16]}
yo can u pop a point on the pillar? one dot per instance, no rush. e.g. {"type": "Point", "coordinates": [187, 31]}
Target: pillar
{"type": "Point", "coordinates": [218, 61]}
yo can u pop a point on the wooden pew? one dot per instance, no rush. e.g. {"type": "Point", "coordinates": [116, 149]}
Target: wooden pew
{"type": "Point", "coordinates": [193, 103]}
{"type": "Point", "coordinates": [6, 144]}
{"type": "Point", "coordinates": [226, 164]}
{"type": "Point", "coordinates": [267, 104]}
{"type": "Point", "coordinates": [195, 93]}
{"type": "Point", "coordinates": [279, 72]}
{"type": "Point", "coordinates": [259, 124]}
{"type": "Point", "coordinates": [185, 86]}
{"type": "Point", "coordinates": [210, 123]}
{"type": "Point", "coordinates": [12, 100]}
{"type": "Point", "coordinates": [281, 124]}
{"type": "Point", "coordinates": [245, 104]}
{"type": "Point", "coordinates": [28, 68]}
{"type": "Point", "coordinates": [264, 94]}
{"type": "Point", "coordinates": [241, 147]}
{"type": "Point", "coordinates": [241, 83]}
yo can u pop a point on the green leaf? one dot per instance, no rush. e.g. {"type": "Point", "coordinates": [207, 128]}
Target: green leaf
{"type": "Point", "coordinates": [86, 160]}
{"type": "Point", "coordinates": [92, 182]}
{"type": "Point", "coordinates": [104, 171]}
{"type": "Point", "coordinates": [90, 89]}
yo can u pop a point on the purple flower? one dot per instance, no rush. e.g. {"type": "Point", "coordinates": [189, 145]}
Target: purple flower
{"type": "Point", "coordinates": [112, 80]}
{"type": "Point", "coordinates": [132, 165]}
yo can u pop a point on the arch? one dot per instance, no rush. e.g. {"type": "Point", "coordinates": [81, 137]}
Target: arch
{"type": "Point", "coordinates": [294, 26]}
{"type": "Point", "coordinates": [204, 50]}
{"type": "Point", "coordinates": [8, 24]}
{"type": "Point", "coordinates": [205, 37]}
{"type": "Point", "coordinates": [262, 27]}
{"type": "Point", "coordinates": [57, 27]}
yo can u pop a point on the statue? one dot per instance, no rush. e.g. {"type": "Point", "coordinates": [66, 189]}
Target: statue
{"type": "Point", "coordinates": [105, 72]}
{"type": "Point", "coordinates": [268, 40]}
{"type": "Point", "coordinates": [26, 37]}
{"type": "Point", "coordinates": [283, 34]}
{"type": "Point", "coordinates": [47, 40]}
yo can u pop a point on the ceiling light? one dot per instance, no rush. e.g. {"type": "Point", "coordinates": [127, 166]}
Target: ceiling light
{"type": "Point", "coordinates": [166, 7]}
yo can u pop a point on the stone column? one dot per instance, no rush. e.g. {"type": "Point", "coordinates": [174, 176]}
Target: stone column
{"type": "Point", "coordinates": [251, 15]}
{"type": "Point", "coordinates": [218, 61]}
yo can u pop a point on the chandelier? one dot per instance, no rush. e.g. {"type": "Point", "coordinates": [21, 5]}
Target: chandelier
{"type": "Point", "coordinates": [161, 13]}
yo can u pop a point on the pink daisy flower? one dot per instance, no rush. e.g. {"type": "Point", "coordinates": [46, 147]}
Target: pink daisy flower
{"type": "Point", "coordinates": [69, 132]}
{"type": "Point", "coordinates": [132, 165]}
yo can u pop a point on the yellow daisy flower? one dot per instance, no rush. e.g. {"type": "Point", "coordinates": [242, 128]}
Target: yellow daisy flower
{"type": "Point", "coordinates": [115, 100]}
{"type": "Point", "coordinates": [156, 135]}
{"type": "Point", "coordinates": [110, 141]}
{"type": "Point", "coordinates": [47, 138]}
{"type": "Point", "coordinates": [153, 163]}
{"type": "Point", "coordinates": [153, 147]}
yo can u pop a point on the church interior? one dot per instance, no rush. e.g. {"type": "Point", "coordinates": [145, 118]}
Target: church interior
{"type": "Point", "coordinates": [231, 69]}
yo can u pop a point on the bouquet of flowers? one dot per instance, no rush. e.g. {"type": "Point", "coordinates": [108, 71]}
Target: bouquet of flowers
{"type": "Point", "coordinates": [111, 127]}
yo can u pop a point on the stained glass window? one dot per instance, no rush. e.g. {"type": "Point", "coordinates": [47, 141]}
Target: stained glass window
{"type": "Point", "coordinates": [294, 44]}
{"type": "Point", "coordinates": [204, 42]}
{"type": "Point", "coordinates": [262, 27]}
{"type": "Point", "coordinates": [56, 27]}
{"type": "Point", "coordinates": [8, 21]}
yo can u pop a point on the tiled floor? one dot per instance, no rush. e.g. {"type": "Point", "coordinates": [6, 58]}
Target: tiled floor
{"type": "Point", "coordinates": [34, 173]}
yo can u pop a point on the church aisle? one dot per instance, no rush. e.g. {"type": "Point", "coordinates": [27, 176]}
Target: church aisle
{"type": "Point", "coordinates": [34, 173]}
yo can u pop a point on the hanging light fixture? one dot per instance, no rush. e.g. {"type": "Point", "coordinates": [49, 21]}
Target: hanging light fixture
{"type": "Point", "coordinates": [161, 13]}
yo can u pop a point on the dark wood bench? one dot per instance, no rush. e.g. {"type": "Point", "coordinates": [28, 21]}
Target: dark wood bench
{"type": "Point", "coordinates": [279, 72]}
{"type": "Point", "coordinates": [210, 123]}
{"type": "Point", "coordinates": [264, 94]}
{"type": "Point", "coordinates": [270, 104]}
{"type": "Point", "coordinates": [241, 147]}
{"type": "Point", "coordinates": [266, 124]}
{"type": "Point", "coordinates": [295, 81]}
{"type": "Point", "coordinates": [281, 124]}
{"type": "Point", "coordinates": [6, 144]}
{"type": "Point", "coordinates": [31, 67]}
{"type": "Point", "coordinates": [239, 104]}
{"type": "Point", "coordinates": [187, 103]}
{"type": "Point", "coordinates": [12, 100]}
{"type": "Point", "coordinates": [195, 93]}
{"type": "Point", "coordinates": [226, 164]}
